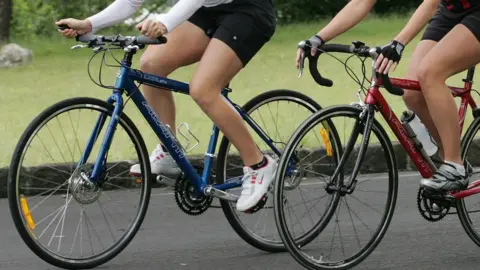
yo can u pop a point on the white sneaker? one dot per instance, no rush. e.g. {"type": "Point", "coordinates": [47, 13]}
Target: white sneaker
{"type": "Point", "coordinates": [255, 184]}
{"type": "Point", "coordinates": [161, 163]}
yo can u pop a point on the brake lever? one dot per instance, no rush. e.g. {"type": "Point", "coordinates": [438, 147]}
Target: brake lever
{"type": "Point", "coordinates": [302, 45]}
{"type": "Point", "coordinates": [79, 46]}
{"type": "Point", "coordinates": [302, 64]}
{"type": "Point", "coordinates": [98, 48]}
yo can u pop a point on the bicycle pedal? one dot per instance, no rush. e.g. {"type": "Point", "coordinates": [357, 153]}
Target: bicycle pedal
{"type": "Point", "coordinates": [164, 180]}
{"type": "Point", "coordinates": [258, 206]}
{"type": "Point", "coordinates": [188, 140]}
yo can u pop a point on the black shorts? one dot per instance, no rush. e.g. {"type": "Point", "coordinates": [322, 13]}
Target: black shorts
{"type": "Point", "coordinates": [244, 25]}
{"type": "Point", "coordinates": [444, 20]}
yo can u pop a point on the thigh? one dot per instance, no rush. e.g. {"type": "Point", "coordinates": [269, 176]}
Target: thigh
{"type": "Point", "coordinates": [419, 53]}
{"type": "Point", "coordinates": [186, 45]}
{"type": "Point", "coordinates": [446, 59]}
{"type": "Point", "coordinates": [238, 38]}
{"type": "Point", "coordinates": [216, 69]}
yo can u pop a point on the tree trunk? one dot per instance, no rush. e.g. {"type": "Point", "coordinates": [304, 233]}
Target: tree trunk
{"type": "Point", "coordinates": [5, 18]}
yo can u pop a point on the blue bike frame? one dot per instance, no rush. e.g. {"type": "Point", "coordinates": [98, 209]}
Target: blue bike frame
{"type": "Point", "coordinates": [126, 83]}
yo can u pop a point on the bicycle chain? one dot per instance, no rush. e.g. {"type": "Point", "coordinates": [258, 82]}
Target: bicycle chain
{"type": "Point", "coordinates": [425, 206]}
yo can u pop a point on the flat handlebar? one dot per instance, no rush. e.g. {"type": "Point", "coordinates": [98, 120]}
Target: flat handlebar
{"type": "Point", "coordinates": [121, 41]}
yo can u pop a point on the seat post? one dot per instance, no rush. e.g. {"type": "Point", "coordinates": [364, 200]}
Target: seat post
{"type": "Point", "coordinates": [470, 74]}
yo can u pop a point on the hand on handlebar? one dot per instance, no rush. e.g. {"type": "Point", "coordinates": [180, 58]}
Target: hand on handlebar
{"type": "Point", "coordinates": [308, 46]}
{"type": "Point", "coordinates": [71, 28]}
{"type": "Point", "coordinates": [152, 29]}
{"type": "Point", "coordinates": [389, 57]}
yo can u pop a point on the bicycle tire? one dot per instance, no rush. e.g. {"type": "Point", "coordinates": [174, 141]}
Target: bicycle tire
{"type": "Point", "coordinates": [227, 207]}
{"type": "Point", "coordinates": [462, 212]}
{"type": "Point", "coordinates": [290, 243]}
{"type": "Point", "coordinates": [15, 166]}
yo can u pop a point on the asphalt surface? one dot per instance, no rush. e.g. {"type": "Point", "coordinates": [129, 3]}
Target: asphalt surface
{"type": "Point", "coordinates": [169, 239]}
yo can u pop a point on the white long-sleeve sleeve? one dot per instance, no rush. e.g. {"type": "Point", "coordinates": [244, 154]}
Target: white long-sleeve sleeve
{"type": "Point", "coordinates": [117, 12]}
{"type": "Point", "coordinates": [184, 9]}
{"type": "Point", "coordinates": [121, 10]}
{"type": "Point", "coordinates": [180, 12]}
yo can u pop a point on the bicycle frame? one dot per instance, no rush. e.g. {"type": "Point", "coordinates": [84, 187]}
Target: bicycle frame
{"type": "Point", "coordinates": [375, 97]}
{"type": "Point", "coordinates": [125, 83]}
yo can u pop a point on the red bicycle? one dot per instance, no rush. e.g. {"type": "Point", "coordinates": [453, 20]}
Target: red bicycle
{"type": "Point", "coordinates": [362, 156]}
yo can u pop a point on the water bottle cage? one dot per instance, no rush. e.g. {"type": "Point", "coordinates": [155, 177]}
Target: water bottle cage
{"type": "Point", "coordinates": [188, 141]}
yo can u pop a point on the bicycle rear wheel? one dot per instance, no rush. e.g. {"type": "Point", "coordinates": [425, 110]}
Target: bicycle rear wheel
{"type": "Point", "coordinates": [277, 113]}
{"type": "Point", "coordinates": [337, 206]}
{"type": "Point", "coordinates": [468, 208]}
{"type": "Point", "coordinates": [62, 217]}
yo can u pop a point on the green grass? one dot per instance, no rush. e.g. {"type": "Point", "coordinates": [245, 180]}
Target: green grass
{"type": "Point", "coordinates": [58, 73]}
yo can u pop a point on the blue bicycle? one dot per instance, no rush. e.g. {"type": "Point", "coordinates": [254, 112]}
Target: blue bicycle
{"type": "Point", "coordinates": [46, 171]}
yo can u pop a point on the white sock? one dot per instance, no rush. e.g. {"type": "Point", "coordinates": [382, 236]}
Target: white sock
{"type": "Point", "coordinates": [460, 168]}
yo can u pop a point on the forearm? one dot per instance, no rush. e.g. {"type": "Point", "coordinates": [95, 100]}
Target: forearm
{"type": "Point", "coordinates": [419, 19]}
{"type": "Point", "coordinates": [348, 17]}
{"type": "Point", "coordinates": [180, 12]}
{"type": "Point", "coordinates": [117, 12]}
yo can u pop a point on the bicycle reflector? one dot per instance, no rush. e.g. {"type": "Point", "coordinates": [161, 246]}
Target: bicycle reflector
{"type": "Point", "coordinates": [26, 213]}
{"type": "Point", "coordinates": [326, 140]}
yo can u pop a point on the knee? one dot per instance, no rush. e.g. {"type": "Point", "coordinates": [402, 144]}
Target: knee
{"type": "Point", "coordinates": [413, 99]}
{"type": "Point", "coordinates": [156, 64]}
{"type": "Point", "coordinates": [201, 94]}
{"type": "Point", "coordinates": [428, 75]}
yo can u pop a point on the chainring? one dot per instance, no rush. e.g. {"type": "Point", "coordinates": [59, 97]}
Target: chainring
{"type": "Point", "coordinates": [432, 207]}
{"type": "Point", "coordinates": [188, 200]}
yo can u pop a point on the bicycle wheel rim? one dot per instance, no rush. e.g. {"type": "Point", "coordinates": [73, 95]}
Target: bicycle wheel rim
{"type": "Point", "coordinates": [14, 180]}
{"type": "Point", "coordinates": [235, 220]}
{"type": "Point", "coordinates": [304, 259]}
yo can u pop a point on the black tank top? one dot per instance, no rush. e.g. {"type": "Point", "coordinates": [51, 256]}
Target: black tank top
{"type": "Point", "coordinates": [458, 6]}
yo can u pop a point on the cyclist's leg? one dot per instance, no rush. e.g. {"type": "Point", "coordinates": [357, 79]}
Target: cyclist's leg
{"type": "Point", "coordinates": [236, 41]}
{"type": "Point", "coordinates": [162, 60]}
{"type": "Point", "coordinates": [443, 61]}
{"type": "Point", "coordinates": [218, 66]}
{"type": "Point", "coordinates": [437, 28]}
{"type": "Point", "coordinates": [414, 99]}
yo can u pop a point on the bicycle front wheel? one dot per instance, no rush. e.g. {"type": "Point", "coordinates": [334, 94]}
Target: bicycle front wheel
{"type": "Point", "coordinates": [348, 221]}
{"type": "Point", "coordinates": [63, 217]}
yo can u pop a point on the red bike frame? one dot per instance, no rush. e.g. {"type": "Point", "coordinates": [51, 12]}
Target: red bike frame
{"type": "Point", "coordinates": [375, 97]}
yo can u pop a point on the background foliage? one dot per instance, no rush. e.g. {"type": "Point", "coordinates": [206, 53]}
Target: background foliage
{"type": "Point", "coordinates": [46, 12]}
{"type": "Point", "coordinates": [24, 25]}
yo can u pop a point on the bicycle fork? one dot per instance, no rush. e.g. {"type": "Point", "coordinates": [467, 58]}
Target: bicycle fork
{"type": "Point", "coordinates": [362, 125]}
{"type": "Point", "coordinates": [101, 160]}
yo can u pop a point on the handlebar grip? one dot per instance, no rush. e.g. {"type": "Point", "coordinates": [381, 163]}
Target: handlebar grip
{"type": "Point", "coordinates": [62, 27]}
{"type": "Point", "coordinates": [313, 61]}
{"type": "Point", "coordinates": [397, 91]}
{"type": "Point", "coordinates": [149, 41]}
{"type": "Point", "coordinates": [85, 38]}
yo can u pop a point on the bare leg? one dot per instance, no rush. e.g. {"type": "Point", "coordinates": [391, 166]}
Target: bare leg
{"type": "Point", "coordinates": [415, 100]}
{"type": "Point", "coordinates": [207, 83]}
{"type": "Point", "coordinates": [185, 46]}
{"type": "Point", "coordinates": [439, 64]}
{"type": "Point", "coordinates": [162, 60]}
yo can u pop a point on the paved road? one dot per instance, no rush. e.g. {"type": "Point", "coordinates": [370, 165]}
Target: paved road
{"type": "Point", "coordinates": [168, 241]}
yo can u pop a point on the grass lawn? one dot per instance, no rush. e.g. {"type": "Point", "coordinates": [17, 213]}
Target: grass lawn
{"type": "Point", "coordinates": [58, 73]}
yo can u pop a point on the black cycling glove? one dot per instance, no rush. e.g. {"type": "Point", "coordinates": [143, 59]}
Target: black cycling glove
{"type": "Point", "coordinates": [312, 44]}
{"type": "Point", "coordinates": [393, 51]}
